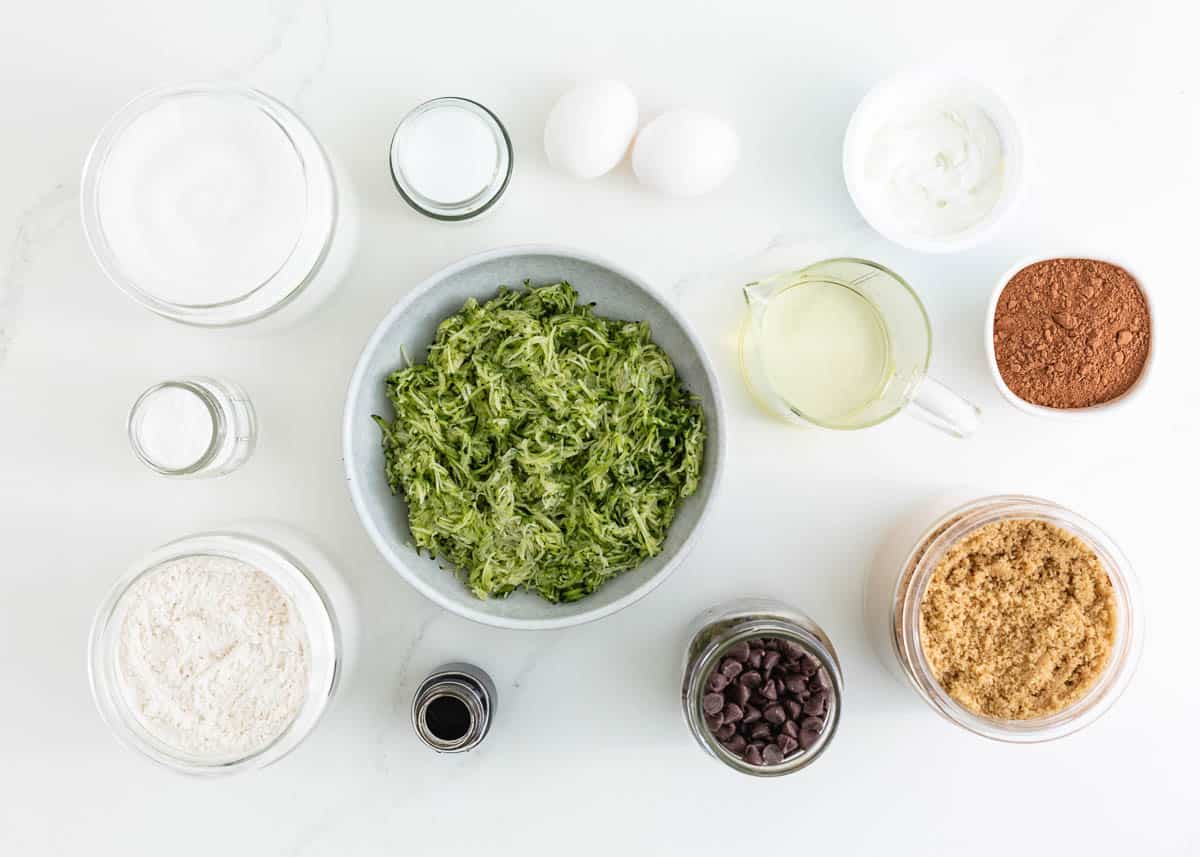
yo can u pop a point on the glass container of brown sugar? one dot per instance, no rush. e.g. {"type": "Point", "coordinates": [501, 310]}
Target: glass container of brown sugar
{"type": "Point", "coordinates": [777, 680]}
{"type": "Point", "coordinates": [913, 582]}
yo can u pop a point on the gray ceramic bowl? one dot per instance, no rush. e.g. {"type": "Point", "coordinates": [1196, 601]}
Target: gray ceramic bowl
{"type": "Point", "coordinates": [411, 324]}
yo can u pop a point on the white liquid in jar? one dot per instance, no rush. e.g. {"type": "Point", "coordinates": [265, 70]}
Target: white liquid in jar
{"type": "Point", "coordinates": [202, 200]}
{"type": "Point", "coordinates": [447, 154]}
{"type": "Point", "coordinates": [825, 350]}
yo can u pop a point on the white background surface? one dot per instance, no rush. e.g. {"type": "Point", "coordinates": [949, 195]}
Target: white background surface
{"type": "Point", "coordinates": [589, 754]}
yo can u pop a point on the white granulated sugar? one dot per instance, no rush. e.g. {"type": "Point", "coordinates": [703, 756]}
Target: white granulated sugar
{"type": "Point", "coordinates": [202, 199]}
{"type": "Point", "coordinates": [213, 656]}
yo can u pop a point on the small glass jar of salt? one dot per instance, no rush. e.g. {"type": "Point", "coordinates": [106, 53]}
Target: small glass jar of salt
{"type": "Point", "coordinates": [194, 427]}
{"type": "Point", "coordinates": [451, 159]}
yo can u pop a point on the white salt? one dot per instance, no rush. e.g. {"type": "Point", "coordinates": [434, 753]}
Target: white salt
{"type": "Point", "coordinates": [174, 427]}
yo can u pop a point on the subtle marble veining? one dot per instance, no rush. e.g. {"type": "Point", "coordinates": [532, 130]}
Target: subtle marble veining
{"type": "Point", "coordinates": [37, 227]}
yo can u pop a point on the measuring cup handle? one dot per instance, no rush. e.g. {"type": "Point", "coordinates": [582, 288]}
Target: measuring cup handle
{"type": "Point", "coordinates": [939, 406]}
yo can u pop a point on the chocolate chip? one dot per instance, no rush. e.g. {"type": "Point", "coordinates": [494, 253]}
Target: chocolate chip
{"type": "Point", "coordinates": [791, 648]}
{"type": "Point", "coordinates": [774, 714]}
{"type": "Point", "coordinates": [736, 744]}
{"type": "Point", "coordinates": [760, 731]}
{"type": "Point", "coordinates": [815, 705]}
{"type": "Point", "coordinates": [808, 737]}
{"type": "Point", "coordinates": [750, 714]}
{"type": "Point", "coordinates": [752, 679]}
{"type": "Point", "coordinates": [772, 754]}
{"type": "Point", "coordinates": [717, 682]}
{"type": "Point", "coordinates": [769, 661]}
{"type": "Point", "coordinates": [795, 684]}
{"type": "Point", "coordinates": [756, 658]}
{"type": "Point", "coordinates": [788, 744]}
{"type": "Point", "coordinates": [813, 723]}
{"type": "Point", "coordinates": [790, 729]}
{"type": "Point", "coordinates": [771, 643]}
{"type": "Point", "coordinates": [808, 665]}
{"type": "Point", "coordinates": [726, 732]}
{"type": "Point", "coordinates": [739, 651]}
{"type": "Point", "coordinates": [712, 703]}
{"type": "Point", "coordinates": [794, 709]}
{"type": "Point", "coordinates": [732, 713]}
{"type": "Point", "coordinates": [738, 693]}
{"type": "Point", "coordinates": [714, 721]}
{"type": "Point", "coordinates": [753, 756]}
{"type": "Point", "coordinates": [730, 668]}
{"type": "Point", "coordinates": [819, 681]}
{"type": "Point", "coordinates": [770, 691]}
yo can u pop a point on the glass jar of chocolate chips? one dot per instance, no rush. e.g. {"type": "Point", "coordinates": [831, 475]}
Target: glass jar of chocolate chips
{"type": "Point", "coordinates": [762, 686]}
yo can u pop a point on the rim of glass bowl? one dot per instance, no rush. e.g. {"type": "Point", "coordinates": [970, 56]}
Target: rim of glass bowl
{"type": "Point", "coordinates": [708, 658]}
{"type": "Point", "coordinates": [321, 631]}
{"type": "Point", "coordinates": [480, 202]}
{"type": "Point", "coordinates": [913, 582]}
{"type": "Point", "coordinates": [307, 255]}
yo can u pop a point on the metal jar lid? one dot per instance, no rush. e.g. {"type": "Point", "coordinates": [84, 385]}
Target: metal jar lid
{"type": "Point", "coordinates": [452, 709]}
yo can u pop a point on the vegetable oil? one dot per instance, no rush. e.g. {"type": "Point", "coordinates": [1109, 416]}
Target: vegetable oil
{"type": "Point", "coordinates": [825, 350]}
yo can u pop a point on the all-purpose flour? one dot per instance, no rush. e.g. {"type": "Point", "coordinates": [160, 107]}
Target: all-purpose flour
{"type": "Point", "coordinates": [213, 656]}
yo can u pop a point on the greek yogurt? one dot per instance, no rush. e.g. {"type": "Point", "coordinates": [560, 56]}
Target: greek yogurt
{"type": "Point", "coordinates": [937, 168]}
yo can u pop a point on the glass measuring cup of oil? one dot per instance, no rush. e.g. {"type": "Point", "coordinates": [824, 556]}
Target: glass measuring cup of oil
{"type": "Point", "coordinates": [844, 344]}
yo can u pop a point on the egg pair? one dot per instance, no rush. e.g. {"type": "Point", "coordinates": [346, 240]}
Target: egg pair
{"type": "Point", "coordinates": [680, 153]}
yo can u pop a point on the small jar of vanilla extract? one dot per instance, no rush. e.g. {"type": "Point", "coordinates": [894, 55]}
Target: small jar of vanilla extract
{"type": "Point", "coordinates": [452, 709]}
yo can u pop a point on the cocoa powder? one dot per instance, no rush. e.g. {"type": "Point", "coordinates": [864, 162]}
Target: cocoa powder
{"type": "Point", "coordinates": [1071, 333]}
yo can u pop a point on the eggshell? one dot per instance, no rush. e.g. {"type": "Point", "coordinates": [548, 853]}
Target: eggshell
{"type": "Point", "coordinates": [685, 153]}
{"type": "Point", "coordinates": [589, 128]}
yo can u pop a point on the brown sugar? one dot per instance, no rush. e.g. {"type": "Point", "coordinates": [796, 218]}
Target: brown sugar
{"type": "Point", "coordinates": [1071, 333]}
{"type": "Point", "coordinates": [1018, 620]}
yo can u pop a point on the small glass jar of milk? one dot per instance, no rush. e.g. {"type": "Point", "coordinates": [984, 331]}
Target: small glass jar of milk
{"type": "Point", "coordinates": [215, 205]}
{"type": "Point", "coordinates": [451, 159]}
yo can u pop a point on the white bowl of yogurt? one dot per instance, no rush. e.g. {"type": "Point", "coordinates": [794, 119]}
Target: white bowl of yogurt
{"type": "Point", "coordinates": [933, 159]}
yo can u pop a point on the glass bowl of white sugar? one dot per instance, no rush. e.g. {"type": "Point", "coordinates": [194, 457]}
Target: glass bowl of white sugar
{"type": "Point", "coordinates": [215, 205]}
{"type": "Point", "coordinates": [217, 653]}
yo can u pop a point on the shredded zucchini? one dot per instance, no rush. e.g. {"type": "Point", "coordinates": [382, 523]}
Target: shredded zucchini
{"type": "Point", "coordinates": [540, 446]}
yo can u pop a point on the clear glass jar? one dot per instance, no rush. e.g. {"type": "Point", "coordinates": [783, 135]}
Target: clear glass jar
{"type": "Point", "coordinates": [412, 174]}
{"type": "Point", "coordinates": [323, 637]}
{"type": "Point", "coordinates": [718, 629]}
{"type": "Point", "coordinates": [218, 408]}
{"type": "Point", "coordinates": [311, 257]}
{"type": "Point", "coordinates": [914, 578]}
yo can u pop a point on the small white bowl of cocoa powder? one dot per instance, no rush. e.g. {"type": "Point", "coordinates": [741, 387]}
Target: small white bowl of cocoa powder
{"type": "Point", "coordinates": [1069, 336]}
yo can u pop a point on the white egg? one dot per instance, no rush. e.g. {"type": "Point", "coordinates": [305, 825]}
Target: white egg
{"type": "Point", "coordinates": [685, 153]}
{"type": "Point", "coordinates": [589, 128]}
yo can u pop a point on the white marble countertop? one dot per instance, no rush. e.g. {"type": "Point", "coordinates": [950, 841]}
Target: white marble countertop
{"type": "Point", "coordinates": [589, 753]}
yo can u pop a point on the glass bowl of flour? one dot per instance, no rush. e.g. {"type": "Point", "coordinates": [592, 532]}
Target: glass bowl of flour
{"type": "Point", "coordinates": [217, 653]}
